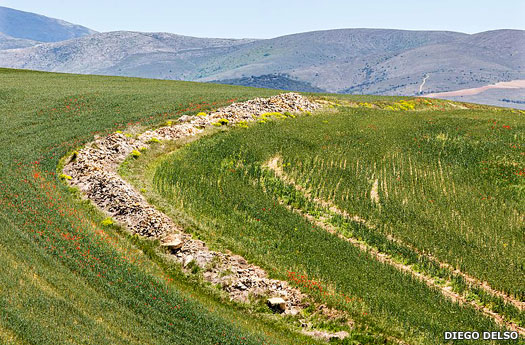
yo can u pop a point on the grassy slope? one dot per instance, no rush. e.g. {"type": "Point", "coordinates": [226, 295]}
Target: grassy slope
{"type": "Point", "coordinates": [449, 184]}
{"type": "Point", "coordinates": [63, 278]}
{"type": "Point", "coordinates": [230, 212]}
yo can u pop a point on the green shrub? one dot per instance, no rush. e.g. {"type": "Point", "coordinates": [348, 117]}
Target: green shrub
{"type": "Point", "coordinates": [267, 116]}
{"type": "Point", "coordinates": [107, 222]}
{"type": "Point", "coordinates": [65, 177]}
{"type": "Point", "coordinates": [153, 140]}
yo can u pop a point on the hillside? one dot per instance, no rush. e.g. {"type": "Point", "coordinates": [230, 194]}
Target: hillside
{"type": "Point", "coordinates": [110, 53]}
{"type": "Point", "coordinates": [35, 27]}
{"type": "Point", "coordinates": [272, 81]}
{"type": "Point", "coordinates": [8, 42]}
{"type": "Point", "coordinates": [472, 61]}
{"type": "Point", "coordinates": [351, 61]}
{"type": "Point", "coordinates": [299, 52]}
{"type": "Point", "coordinates": [355, 61]}
{"type": "Point", "coordinates": [281, 210]}
{"type": "Point", "coordinates": [68, 277]}
{"type": "Point", "coordinates": [155, 55]}
{"type": "Point", "coordinates": [396, 187]}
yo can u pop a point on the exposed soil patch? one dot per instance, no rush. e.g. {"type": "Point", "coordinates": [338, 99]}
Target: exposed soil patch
{"type": "Point", "coordinates": [513, 84]}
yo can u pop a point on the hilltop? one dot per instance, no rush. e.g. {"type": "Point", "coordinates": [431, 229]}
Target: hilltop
{"type": "Point", "coordinates": [351, 61]}
{"type": "Point", "coordinates": [35, 27]}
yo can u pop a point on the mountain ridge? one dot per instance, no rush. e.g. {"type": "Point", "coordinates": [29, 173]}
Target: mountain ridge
{"type": "Point", "coordinates": [364, 61]}
{"type": "Point", "coordinates": [36, 27]}
{"type": "Point", "coordinates": [8, 42]}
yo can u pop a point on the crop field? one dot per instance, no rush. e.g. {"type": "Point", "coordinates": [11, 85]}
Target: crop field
{"type": "Point", "coordinates": [450, 185]}
{"type": "Point", "coordinates": [429, 187]}
{"type": "Point", "coordinates": [432, 186]}
{"type": "Point", "coordinates": [64, 277]}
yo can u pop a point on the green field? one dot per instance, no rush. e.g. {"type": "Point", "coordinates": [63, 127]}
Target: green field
{"type": "Point", "coordinates": [454, 190]}
{"type": "Point", "coordinates": [452, 185]}
{"type": "Point", "coordinates": [63, 277]}
{"type": "Point", "coordinates": [67, 279]}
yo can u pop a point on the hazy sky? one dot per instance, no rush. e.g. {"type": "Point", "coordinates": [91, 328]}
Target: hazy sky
{"type": "Point", "coordinates": [271, 18]}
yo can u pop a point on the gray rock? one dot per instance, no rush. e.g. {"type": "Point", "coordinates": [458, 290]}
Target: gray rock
{"type": "Point", "coordinates": [173, 241]}
{"type": "Point", "coordinates": [277, 304]}
{"type": "Point", "coordinates": [95, 170]}
{"type": "Point", "coordinates": [186, 261]}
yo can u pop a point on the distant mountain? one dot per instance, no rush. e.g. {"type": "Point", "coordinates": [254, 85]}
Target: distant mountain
{"type": "Point", "coordinates": [472, 61]}
{"type": "Point", "coordinates": [331, 59]}
{"type": "Point", "coordinates": [124, 53]}
{"type": "Point", "coordinates": [34, 27]}
{"type": "Point", "coordinates": [354, 61]}
{"type": "Point", "coordinates": [272, 81]}
{"type": "Point", "coordinates": [8, 42]}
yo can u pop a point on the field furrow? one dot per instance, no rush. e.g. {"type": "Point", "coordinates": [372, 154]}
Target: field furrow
{"type": "Point", "coordinates": [219, 184]}
{"type": "Point", "coordinates": [322, 218]}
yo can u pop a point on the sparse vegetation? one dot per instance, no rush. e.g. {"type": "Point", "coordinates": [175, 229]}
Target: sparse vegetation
{"type": "Point", "coordinates": [107, 222]}
{"type": "Point", "coordinates": [153, 140]}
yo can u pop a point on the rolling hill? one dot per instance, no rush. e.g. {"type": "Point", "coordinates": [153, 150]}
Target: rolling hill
{"type": "Point", "coordinates": [65, 277]}
{"type": "Point", "coordinates": [471, 61]}
{"type": "Point", "coordinates": [35, 27]}
{"type": "Point", "coordinates": [154, 55]}
{"type": "Point", "coordinates": [352, 61]}
{"type": "Point", "coordinates": [404, 189]}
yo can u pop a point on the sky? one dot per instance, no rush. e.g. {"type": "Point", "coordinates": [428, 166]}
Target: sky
{"type": "Point", "coordinates": [272, 18]}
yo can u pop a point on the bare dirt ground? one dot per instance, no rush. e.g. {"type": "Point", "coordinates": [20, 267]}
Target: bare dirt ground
{"type": "Point", "coordinates": [513, 84]}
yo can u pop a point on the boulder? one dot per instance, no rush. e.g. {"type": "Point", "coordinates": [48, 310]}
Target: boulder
{"type": "Point", "coordinates": [277, 304]}
{"type": "Point", "coordinates": [172, 241]}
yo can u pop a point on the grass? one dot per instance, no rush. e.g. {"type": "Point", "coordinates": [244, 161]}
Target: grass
{"type": "Point", "coordinates": [67, 277]}
{"type": "Point", "coordinates": [451, 184]}
{"type": "Point", "coordinates": [298, 198]}
{"type": "Point", "coordinates": [214, 181]}
{"type": "Point", "coordinates": [70, 276]}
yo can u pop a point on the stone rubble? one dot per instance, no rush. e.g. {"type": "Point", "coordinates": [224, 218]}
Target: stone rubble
{"type": "Point", "coordinates": [327, 335]}
{"type": "Point", "coordinates": [93, 170]}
